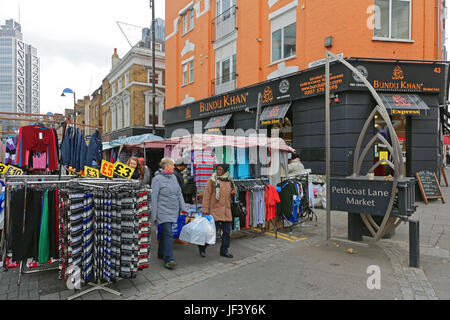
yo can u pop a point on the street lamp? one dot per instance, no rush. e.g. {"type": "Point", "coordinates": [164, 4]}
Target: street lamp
{"type": "Point", "coordinates": [68, 90]}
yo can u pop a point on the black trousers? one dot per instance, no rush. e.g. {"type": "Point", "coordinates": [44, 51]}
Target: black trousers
{"type": "Point", "coordinates": [25, 234]}
{"type": "Point", "coordinates": [226, 230]}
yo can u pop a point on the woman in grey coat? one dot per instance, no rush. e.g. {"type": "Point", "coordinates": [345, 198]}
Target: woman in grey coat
{"type": "Point", "coordinates": [167, 203]}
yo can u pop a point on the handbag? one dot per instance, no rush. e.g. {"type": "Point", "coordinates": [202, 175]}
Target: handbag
{"type": "Point", "coordinates": [238, 209]}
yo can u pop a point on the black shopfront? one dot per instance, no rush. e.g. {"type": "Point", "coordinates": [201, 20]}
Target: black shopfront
{"type": "Point", "coordinates": [294, 104]}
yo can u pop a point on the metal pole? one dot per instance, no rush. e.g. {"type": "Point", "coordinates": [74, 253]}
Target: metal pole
{"type": "Point", "coordinates": [152, 2]}
{"type": "Point", "coordinates": [414, 244]}
{"type": "Point", "coordinates": [75, 111]}
{"type": "Point", "coordinates": [327, 141]}
{"type": "Point", "coordinates": [258, 111]}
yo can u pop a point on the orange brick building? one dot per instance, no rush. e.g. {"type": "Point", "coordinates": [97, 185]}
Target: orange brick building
{"type": "Point", "coordinates": [214, 46]}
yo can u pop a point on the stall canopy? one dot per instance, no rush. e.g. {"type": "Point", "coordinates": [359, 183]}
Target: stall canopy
{"type": "Point", "coordinates": [134, 140]}
{"type": "Point", "coordinates": [404, 104]}
{"type": "Point", "coordinates": [274, 114]}
{"type": "Point", "coordinates": [202, 141]}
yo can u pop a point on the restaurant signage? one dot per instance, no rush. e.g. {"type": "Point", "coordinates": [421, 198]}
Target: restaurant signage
{"type": "Point", "coordinates": [384, 76]}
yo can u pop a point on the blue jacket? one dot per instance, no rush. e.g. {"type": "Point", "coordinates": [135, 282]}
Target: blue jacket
{"type": "Point", "coordinates": [95, 149]}
{"type": "Point", "coordinates": [66, 150]}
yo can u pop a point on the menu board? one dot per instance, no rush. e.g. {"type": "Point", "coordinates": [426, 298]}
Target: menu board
{"type": "Point", "coordinates": [429, 186]}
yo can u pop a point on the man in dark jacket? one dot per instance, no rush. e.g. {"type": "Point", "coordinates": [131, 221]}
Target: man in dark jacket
{"type": "Point", "coordinates": [179, 167]}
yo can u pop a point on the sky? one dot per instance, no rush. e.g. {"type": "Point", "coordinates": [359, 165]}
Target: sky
{"type": "Point", "coordinates": [76, 39]}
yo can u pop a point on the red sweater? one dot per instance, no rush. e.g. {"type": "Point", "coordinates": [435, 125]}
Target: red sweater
{"type": "Point", "coordinates": [272, 198]}
{"type": "Point", "coordinates": [35, 138]}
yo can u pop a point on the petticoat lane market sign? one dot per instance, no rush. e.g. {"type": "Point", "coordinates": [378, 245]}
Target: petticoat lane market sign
{"type": "Point", "coordinates": [360, 195]}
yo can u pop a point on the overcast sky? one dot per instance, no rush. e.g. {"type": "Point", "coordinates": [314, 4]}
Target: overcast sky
{"type": "Point", "coordinates": [76, 39]}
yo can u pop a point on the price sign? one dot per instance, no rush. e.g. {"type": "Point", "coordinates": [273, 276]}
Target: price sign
{"type": "Point", "coordinates": [13, 171]}
{"type": "Point", "coordinates": [107, 169]}
{"type": "Point", "coordinates": [82, 174]}
{"type": "Point", "coordinates": [91, 172]}
{"type": "Point", "coordinates": [72, 171]}
{"type": "Point", "coordinates": [123, 170]}
{"type": "Point", "coordinates": [3, 168]}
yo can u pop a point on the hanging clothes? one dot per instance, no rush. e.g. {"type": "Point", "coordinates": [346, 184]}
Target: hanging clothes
{"type": "Point", "coordinates": [44, 240]}
{"type": "Point", "coordinates": [271, 201]}
{"type": "Point", "coordinates": [204, 162]}
{"type": "Point", "coordinates": [37, 139]}
{"type": "Point", "coordinates": [242, 163]}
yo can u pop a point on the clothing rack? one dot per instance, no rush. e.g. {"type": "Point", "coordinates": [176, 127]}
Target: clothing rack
{"type": "Point", "coordinates": [25, 182]}
{"type": "Point", "coordinates": [36, 181]}
{"type": "Point", "coordinates": [261, 182]}
{"type": "Point", "coordinates": [304, 180]}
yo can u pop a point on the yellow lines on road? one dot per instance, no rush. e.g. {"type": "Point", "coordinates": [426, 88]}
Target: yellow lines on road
{"type": "Point", "coordinates": [281, 235]}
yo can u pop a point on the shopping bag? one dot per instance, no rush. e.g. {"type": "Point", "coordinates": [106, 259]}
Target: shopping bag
{"type": "Point", "coordinates": [210, 228]}
{"type": "Point", "coordinates": [176, 227]}
{"type": "Point", "coordinates": [194, 232]}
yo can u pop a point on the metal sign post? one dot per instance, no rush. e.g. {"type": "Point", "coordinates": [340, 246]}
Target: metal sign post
{"type": "Point", "coordinates": [327, 140]}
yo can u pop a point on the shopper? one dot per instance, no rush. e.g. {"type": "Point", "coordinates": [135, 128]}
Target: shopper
{"type": "Point", "coordinates": [147, 172]}
{"type": "Point", "coordinates": [179, 167]}
{"type": "Point", "coordinates": [217, 197]}
{"type": "Point", "coordinates": [167, 203]}
{"type": "Point", "coordinates": [138, 170]}
{"type": "Point", "coordinates": [295, 166]}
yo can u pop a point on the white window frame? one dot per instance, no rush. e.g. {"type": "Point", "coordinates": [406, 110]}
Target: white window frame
{"type": "Point", "coordinates": [191, 19]}
{"type": "Point", "coordinates": [119, 115]}
{"type": "Point", "coordinates": [219, 8]}
{"type": "Point", "coordinates": [113, 117]}
{"type": "Point", "coordinates": [126, 112]}
{"type": "Point", "coordinates": [119, 86]}
{"type": "Point", "coordinates": [185, 23]}
{"type": "Point", "coordinates": [281, 19]}
{"type": "Point", "coordinates": [127, 78]}
{"type": "Point", "coordinates": [389, 38]}
{"type": "Point", "coordinates": [186, 67]}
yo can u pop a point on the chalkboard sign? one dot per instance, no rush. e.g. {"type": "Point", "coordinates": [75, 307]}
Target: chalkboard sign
{"type": "Point", "coordinates": [429, 186]}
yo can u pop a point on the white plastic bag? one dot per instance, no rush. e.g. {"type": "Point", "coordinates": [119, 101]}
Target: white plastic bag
{"type": "Point", "coordinates": [200, 231]}
{"type": "Point", "coordinates": [210, 228]}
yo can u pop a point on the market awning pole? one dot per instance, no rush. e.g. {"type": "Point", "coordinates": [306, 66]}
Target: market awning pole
{"type": "Point", "coordinates": [327, 141]}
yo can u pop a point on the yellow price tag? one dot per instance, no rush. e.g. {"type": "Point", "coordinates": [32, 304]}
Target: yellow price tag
{"type": "Point", "coordinates": [13, 171]}
{"type": "Point", "coordinates": [123, 170]}
{"type": "Point", "coordinates": [72, 171]}
{"type": "Point", "coordinates": [91, 172]}
{"type": "Point", "coordinates": [3, 168]}
{"type": "Point", "coordinates": [384, 155]}
{"type": "Point", "coordinates": [107, 169]}
{"type": "Point", "coordinates": [82, 174]}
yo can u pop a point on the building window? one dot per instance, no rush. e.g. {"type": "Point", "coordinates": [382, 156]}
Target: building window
{"type": "Point", "coordinates": [283, 28]}
{"type": "Point", "coordinates": [226, 70]}
{"type": "Point", "coordinates": [119, 116]}
{"type": "Point", "coordinates": [127, 78]}
{"type": "Point", "coordinates": [157, 76]}
{"type": "Point", "coordinates": [185, 23]}
{"type": "Point", "coordinates": [392, 19]}
{"type": "Point", "coordinates": [114, 89]}
{"type": "Point", "coordinates": [191, 71]}
{"type": "Point", "coordinates": [191, 19]}
{"type": "Point", "coordinates": [120, 84]}
{"type": "Point", "coordinates": [188, 72]}
{"type": "Point", "coordinates": [284, 42]}
{"type": "Point", "coordinates": [126, 112]}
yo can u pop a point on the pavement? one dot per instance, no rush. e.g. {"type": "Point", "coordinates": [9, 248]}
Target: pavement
{"type": "Point", "coordinates": [299, 264]}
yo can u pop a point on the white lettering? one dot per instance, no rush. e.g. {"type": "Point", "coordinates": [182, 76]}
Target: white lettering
{"type": "Point", "coordinates": [374, 281]}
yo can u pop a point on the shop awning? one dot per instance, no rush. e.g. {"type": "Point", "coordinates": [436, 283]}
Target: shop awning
{"type": "Point", "coordinates": [404, 104]}
{"type": "Point", "coordinates": [137, 139]}
{"type": "Point", "coordinates": [218, 122]}
{"type": "Point", "coordinates": [110, 145]}
{"type": "Point", "coordinates": [274, 114]}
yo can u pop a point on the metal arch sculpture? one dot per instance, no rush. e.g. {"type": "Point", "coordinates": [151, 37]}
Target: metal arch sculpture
{"type": "Point", "coordinates": [389, 223]}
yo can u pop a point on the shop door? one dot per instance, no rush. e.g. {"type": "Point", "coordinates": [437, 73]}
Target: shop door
{"type": "Point", "coordinates": [381, 151]}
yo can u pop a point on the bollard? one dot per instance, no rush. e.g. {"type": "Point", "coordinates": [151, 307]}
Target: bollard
{"type": "Point", "coordinates": [355, 225]}
{"type": "Point", "coordinates": [414, 244]}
